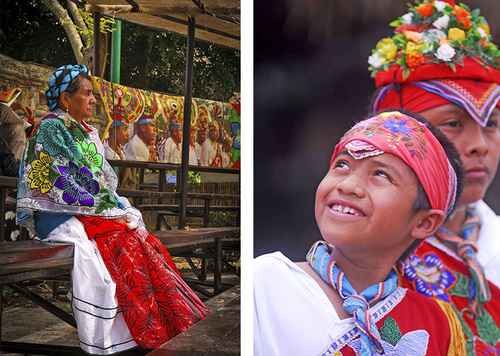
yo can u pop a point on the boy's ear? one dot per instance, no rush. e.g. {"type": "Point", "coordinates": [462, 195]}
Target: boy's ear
{"type": "Point", "coordinates": [427, 222]}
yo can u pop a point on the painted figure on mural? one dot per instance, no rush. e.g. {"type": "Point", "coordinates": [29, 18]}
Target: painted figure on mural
{"type": "Point", "coordinates": [214, 154]}
{"type": "Point", "coordinates": [141, 146]}
{"type": "Point", "coordinates": [202, 144]}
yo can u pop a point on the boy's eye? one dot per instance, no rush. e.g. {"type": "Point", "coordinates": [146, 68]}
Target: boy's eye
{"type": "Point", "coordinates": [341, 164]}
{"type": "Point", "coordinates": [383, 174]}
{"type": "Point", "coordinates": [492, 123]}
{"type": "Point", "coordinates": [451, 124]}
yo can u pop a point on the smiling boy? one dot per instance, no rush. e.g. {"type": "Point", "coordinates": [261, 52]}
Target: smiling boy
{"type": "Point", "coordinates": [345, 300]}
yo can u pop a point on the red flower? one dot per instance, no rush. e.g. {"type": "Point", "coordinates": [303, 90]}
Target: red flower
{"type": "Point", "coordinates": [414, 59]}
{"type": "Point", "coordinates": [463, 17]}
{"type": "Point", "coordinates": [425, 10]}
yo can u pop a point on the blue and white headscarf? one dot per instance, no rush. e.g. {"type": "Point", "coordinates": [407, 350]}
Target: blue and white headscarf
{"type": "Point", "coordinates": [60, 80]}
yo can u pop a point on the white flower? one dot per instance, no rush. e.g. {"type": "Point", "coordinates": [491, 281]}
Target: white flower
{"type": "Point", "coordinates": [407, 18]}
{"type": "Point", "coordinates": [442, 22]}
{"type": "Point", "coordinates": [445, 52]}
{"type": "Point", "coordinates": [439, 5]}
{"type": "Point", "coordinates": [376, 60]}
{"type": "Point", "coordinates": [482, 32]}
{"type": "Point", "coordinates": [10, 215]}
{"type": "Point", "coordinates": [14, 235]}
{"type": "Point", "coordinates": [38, 147]}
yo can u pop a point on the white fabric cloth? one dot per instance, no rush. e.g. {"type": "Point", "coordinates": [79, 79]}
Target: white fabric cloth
{"type": "Point", "coordinates": [202, 152]}
{"type": "Point", "coordinates": [488, 243]}
{"type": "Point", "coordinates": [293, 315]}
{"type": "Point", "coordinates": [193, 157]}
{"type": "Point", "coordinates": [100, 324]}
{"type": "Point", "coordinates": [172, 152]}
{"type": "Point", "coordinates": [136, 150]}
{"type": "Point", "coordinates": [109, 153]}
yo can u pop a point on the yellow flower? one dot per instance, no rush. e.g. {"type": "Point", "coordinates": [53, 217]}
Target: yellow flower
{"type": "Point", "coordinates": [413, 48]}
{"type": "Point", "coordinates": [485, 27]}
{"type": "Point", "coordinates": [39, 173]}
{"type": "Point", "coordinates": [387, 48]}
{"type": "Point", "coordinates": [456, 34]}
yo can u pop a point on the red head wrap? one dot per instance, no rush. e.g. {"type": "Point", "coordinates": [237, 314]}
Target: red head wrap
{"type": "Point", "coordinates": [413, 143]}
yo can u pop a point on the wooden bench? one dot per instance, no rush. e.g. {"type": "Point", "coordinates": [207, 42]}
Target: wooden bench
{"type": "Point", "coordinates": [22, 261]}
{"type": "Point", "coordinates": [205, 243]}
{"type": "Point", "coordinates": [218, 334]}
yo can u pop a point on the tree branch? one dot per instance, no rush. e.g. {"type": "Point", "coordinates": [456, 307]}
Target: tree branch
{"type": "Point", "coordinates": [69, 27]}
{"type": "Point", "coordinates": [78, 20]}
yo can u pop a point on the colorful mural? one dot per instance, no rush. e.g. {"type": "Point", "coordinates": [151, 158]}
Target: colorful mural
{"type": "Point", "coordinates": [138, 124]}
{"type": "Point", "coordinates": [154, 121]}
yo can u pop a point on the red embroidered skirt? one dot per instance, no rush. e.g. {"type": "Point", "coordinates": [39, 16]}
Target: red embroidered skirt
{"type": "Point", "coordinates": [156, 303]}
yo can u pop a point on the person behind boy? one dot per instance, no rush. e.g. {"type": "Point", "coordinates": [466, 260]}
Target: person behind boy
{"type": "Point", "coordinates": [367, 214]}
{"type": "Point", "coordinates": [442, 64]}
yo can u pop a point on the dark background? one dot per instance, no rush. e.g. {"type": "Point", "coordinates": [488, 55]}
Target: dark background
{"type": "Point", "coordinates": [311, 84]}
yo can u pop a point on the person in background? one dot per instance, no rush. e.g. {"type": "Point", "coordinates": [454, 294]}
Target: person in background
{"type": "Point", "coordinates": [12, 133]}
{"type": "Point", "coordinates": [441, 62]}
{"type": "Point", "coordinates": [117, 138]}
{"type": "Point", "coordinates": [141, 146]}
{"type": "Point", "coordinates": [171, 152]}
{"type": "Point", "coordinates": [202, 145]}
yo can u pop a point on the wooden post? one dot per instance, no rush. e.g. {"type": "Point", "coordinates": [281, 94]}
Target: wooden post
{"type": "Point", "coordinates": [188, 95]}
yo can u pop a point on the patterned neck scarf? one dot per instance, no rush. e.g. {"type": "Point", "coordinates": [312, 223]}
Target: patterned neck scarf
{"type": "Point", "coordinates": [465, 245]}
{"type": "Point", "coordinates": [355, 304]}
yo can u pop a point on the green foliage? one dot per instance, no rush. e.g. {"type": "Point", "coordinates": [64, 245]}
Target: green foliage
{"type": "Point", "coordinates": [157, 61]}
{"type": "Point", "coordinates": [29, 32]}
{"type": "Point", "coordinates": [150, 59]}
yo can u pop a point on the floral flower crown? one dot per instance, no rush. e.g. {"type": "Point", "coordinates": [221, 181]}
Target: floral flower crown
{"type": "Point", "coordinates": [435, 31]}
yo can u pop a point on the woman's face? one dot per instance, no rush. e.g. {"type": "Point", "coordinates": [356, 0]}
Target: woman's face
{"type": "Point", "coordinates": [479, 147]}
{"type": "Point", "coordinates": [79, 104]}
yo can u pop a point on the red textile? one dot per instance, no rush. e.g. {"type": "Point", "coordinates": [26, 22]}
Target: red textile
{"type": "Point", "coordinates": [472, 69]}
{"type": "Point", "coordinates": [415, 99]}
{"type": "Point", "coordinates": [429, 317]}
{"type": "Point", "coordinates": [413, 143]}
{"type": "Point", "coordinates": [485, 323]}
{"type": "Point", "coordinates": [156, 303]}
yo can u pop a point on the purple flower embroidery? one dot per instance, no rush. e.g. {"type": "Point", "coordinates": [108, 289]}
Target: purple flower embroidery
{"type": "Point", "coordinates": [429, 276]}
{"type": "Point", "coordinates": [397, 126]}
{"type": "Point", "coordinates": [77, 184]}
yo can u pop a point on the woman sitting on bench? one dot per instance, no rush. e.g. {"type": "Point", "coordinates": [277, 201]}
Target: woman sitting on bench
{"type": "Point", "coordinates": [126, 288]}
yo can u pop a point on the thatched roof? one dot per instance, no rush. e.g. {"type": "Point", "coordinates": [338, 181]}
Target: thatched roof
{"type": "Point", "coordinates": [217, 21]}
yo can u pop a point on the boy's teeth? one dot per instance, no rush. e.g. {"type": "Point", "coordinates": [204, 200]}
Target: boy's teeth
{"type": "Point", "coordinates": [345, 209]}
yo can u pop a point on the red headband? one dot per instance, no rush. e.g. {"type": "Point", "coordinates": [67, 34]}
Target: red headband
{"type": "Point", "coordinates": [413, 143]}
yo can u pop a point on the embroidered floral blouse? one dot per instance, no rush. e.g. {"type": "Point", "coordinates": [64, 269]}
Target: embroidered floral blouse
{"type": "Point", "coordinates": [64, 172]}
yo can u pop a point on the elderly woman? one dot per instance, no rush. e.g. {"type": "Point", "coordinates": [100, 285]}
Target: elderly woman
{"type": "Point", "coordinates": [126, 289]}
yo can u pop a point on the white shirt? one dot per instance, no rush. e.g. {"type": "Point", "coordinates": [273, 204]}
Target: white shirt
{"type": "Point", "coordinates": [202, 152]}
{"type": "Point", "coordinates": [488, 243]}
{"type": "Point", "coordinates": [136, 150]}
{"type": "Point", "coordinates": [292, 314]}
{"type": "Point", "coordinates": [172, 152]}
{"type": "Point", "coordinates": [109, 153]}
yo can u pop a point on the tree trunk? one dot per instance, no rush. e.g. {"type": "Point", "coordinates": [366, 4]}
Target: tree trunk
{"type": "Point", "coordinates": [69, 27]}
{"type": "Point", "coordinates": [78, 20]}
